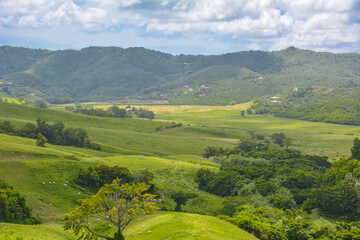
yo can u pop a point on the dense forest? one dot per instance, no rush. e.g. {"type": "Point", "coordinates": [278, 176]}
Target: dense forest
{"type": "Point", "coordinates": [315, 104]}
{"type": "Point", "coordinates": [105, 73]}
{"type": "Point", "coordinates": [269, 191]}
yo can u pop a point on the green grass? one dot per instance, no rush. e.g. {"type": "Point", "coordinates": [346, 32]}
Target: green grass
{"type": "Point", "coordinates": [26, 167]}
{"type": "Point", "coordinates": [30, 166]}
{"type": "Point", "coordinates": [333, 140]}
{"type": "Point", "coordinates": [119, 136]}
{"type": "Point", "coordinates": [163, 225]}
{"type": "Point", "coordinates": [40, 232]}
{"type": "Point", "coordinates": [173, 155]}
{"type": "Point", "coordinates": [184, 226]}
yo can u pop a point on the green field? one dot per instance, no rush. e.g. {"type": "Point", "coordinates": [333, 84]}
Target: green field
{"type": "Point", "coordinates": [333, 140]}
{"type": "Point", "coordinates": [172, 154]}
{"type": "Point", "coordinates": [162, 226]}
{"type": "Point", "coordinates": [225, 124]}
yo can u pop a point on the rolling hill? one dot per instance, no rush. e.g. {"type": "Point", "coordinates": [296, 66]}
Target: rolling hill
{"type": "Point", "coordinates": [109, 73]}
{"type": "Point", "coordinates": [30, 168]}
{"type": "Point", "coordinates": [173, 155]}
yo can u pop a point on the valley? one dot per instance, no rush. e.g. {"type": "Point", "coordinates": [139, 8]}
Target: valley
{"type": "Point", "coordinates": [245, 145]}
{"type": "Point", "coordinates": [173, 155]}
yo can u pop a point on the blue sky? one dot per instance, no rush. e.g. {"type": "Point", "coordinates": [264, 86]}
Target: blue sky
{"type": "Point", "coordinates": [183, 26]}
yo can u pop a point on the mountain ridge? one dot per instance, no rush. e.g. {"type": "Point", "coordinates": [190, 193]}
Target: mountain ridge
{"type": "Point", "coordinates": [110, 73]}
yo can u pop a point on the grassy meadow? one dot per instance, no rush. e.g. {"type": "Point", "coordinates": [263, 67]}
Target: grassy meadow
{"type": "Point", "coordinates": [225, 124]}
{"type": "Point", "coordinates": [163, 225]}
{"type": "Point", "coordinates": [332, 140]}
{"type": "Point", "coordinates": [172, 154]}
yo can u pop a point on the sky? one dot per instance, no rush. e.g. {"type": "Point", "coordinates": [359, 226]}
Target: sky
{"type": "Point", "coordinates": [183, 26]}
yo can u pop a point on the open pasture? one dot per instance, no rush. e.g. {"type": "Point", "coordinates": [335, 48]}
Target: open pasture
{"type": "Point", "coordinates": [122, 136]}
{"type": "Point", "coordinates": [40, 174]}
{"type": "Point", "coordinates": [184, 226]}
{"type": "Point", "coordinates": [225, 124]}
{"type": "Point", "coordinates": [333, 140]}
{"type": "Point", "coordinates": [163, 225]}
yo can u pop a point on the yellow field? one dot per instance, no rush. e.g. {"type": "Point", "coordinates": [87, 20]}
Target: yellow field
{"type": "Point", "coordinates": [176, 109]}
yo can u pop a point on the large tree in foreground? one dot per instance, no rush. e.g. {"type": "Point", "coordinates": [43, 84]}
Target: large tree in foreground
{"type": "Point", "coordinates": [115, 203]}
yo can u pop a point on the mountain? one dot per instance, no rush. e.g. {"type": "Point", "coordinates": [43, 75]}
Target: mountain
{"type": "Point", "coordinates": [109, 73]}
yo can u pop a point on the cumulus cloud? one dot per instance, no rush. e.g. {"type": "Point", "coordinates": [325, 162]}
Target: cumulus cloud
{"type": "Point", "coordinates": [326, 25]}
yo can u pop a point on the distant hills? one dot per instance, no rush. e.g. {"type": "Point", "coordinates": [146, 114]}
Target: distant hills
{"type": "Point", "coordinates": [111, 73]}
{"type": "Point", "coordinates": [317, 104]}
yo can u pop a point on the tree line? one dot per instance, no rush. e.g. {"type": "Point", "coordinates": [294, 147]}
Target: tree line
{"type": "Point", "coordinates": [94, 178]}
{"type": "Point", "coordinates": [259, 142]}
{"type": "Point", "coordinates": [56, 133]}
{"type": "Point", "coordinates": [114, 112]}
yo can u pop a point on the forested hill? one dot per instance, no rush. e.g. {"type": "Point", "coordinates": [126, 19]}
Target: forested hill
{"type": "Point", "coordinates": [105, 73]}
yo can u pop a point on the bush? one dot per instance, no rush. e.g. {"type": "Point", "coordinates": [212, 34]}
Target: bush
{"type": "Point", "coordinates": [203, 176]}
{"type": "Point", "coordinates": [41, 141]}
{"type": "Point", "coordinates": [96, 177]}
{"type": "Point", "coordinates": [13, 208]}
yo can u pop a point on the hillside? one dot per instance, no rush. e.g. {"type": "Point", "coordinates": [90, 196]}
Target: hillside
{"type": "Point", "coordinates": [30, 168]}
{"type": "Point", "coordinates": [108, 73]}
{"type": "Point", "coordinates": [315, 104]}
{"type": "Point", "coordinates": [173, 154]}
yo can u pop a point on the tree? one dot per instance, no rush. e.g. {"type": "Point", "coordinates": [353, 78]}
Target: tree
{"type": "Point", "coordinates": [223, 183]}
{"type": "Point", "coordinates": [355, 150]}
{"type": "Point", "coordinates": [13, 207]}
{"type": "Point", "coordinates": [282, 199]}
{"type": "Point", "coordinates": [210, 151]}
{"type": "Point", "coordinates": [41, 140]}
{"type": "Point", "coordinates": [120, 113]}
{"type": "Point", "coordinates": [203, 176]}
{"type": "Point", "coordinates": [341, 199]}
{"type": "Point", "coordinates": [113, 203]}
{"type": "Point", "coordinates": [180, 198]}
{"type": "Point", "coordinates": [96, 177]}
{"type": "Point", "coordinates": [279, 138]}
{"type": "Point", "coordinates": [242, 113]}
{"type": "Point", "coordinates": [6, 127]}
{"type": "Point", "coordinates": [288, 141]}
{"type": "Point", "coordinates": [250, 145]}
{"type": "Point", "coordinates": [40, 104]}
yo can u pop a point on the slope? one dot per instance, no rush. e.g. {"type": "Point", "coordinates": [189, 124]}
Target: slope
{"type": "Point", "coordinates": [117, 135]}
{"type": "Point", "coordinates": [105, 73]}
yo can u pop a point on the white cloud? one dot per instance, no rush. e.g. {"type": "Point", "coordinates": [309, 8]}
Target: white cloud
{"type": "Point", "coordinates": [254, 46]}
{"type": "Point", "coordinates": [310, 24]}
{"type": "Point", "coordinates": [115, 3]}
{"type": "Point", "coordinates": [29, 20]}
{"type": "Point", "coordinates": [164, 3]}
{"type": "Point", "coordinates": [181, 5]}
